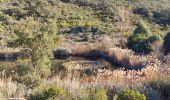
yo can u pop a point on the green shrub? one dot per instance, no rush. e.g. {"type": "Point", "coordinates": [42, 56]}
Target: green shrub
{"type": "Point", "coordinates": [41, 8]}
{"type": "Point", "coordinates": [130, 95]}
{"type": "Point", "coordinates": [31, 81]}
{"type": "Point", "coordinates": [143, 11]}
{"type": "Point", "coordinates": [87, 72]}
{"type": "Point", "coordinates": [59, 69]}
{"type": "Point", "coordinates": [21, 72]}
{"type": "Point", "coordinates": [18, 13]}
{"type": "Point", "coordinates": [94, 93]}
{"type": "Point", "coordinates": [62, 53]}
{"type": "Point", "coordinates": [53, 91]}
{"type": "Point", "coordinates": [38, 42]}
{"type": "Point", "coordinates": [23, 69]}
{"type": "Point", "coordinates": [167, 43]}
{"type": "Point", "coordinates": [162, 16]}
{"type": "Point", "coordinates": [142, 39]}
{"type": "Point", "coordinates": [1, 34]}
{"type": "Point", "coordinates": [50, 92]}
{"type": "Point", "coordinates": [67, 1]}
{"type": "Point", "coordinates": [5, 19]}
{"type": "Point", "coordinates": [88, 37]}
{"type": "Point", "coordinates": [151, 93]}
{"type": "Point", "coordinates": [100, 95]}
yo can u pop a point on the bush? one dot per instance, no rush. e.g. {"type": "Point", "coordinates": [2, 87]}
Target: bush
{"type": "Point", "coordinates": [88, 37]}
{"type": "Point", "coordinates": [16, 12]}
{"type": "Point", "coordinates": [142, 39]}
{"type": "Point", "coordinates": [100, 95]}
{"type": "Point", "coordinates": [58, 69]}
{"type": "Point", "coordinates": [67, 1]}
{"type": "Point", "coordinates": [151, 93]}
{"type": "Point", "coordinates": [50, 92]}
{"type": "Point", "coordinates": [5, 19]}
{"type": "Point", "coordinates": [167, 44]}
{"type": "Point", "coordinates": [53, 91]}
{"type": "Point", "coordinates": [94, 93]}
{"type": "Point", "coordinates": [31, 81]}
{"type": "Point", "coordinates": [22, 73]}
{"type": "Point", "coordinates": [40, 44]}
{"type": "Point", "coordinates": [41, 8]}
{"type": "Point", "coordinates": [62, 53]}
{"type": "Point", "coordinates": [87, 72]}
{"type": "Point", "coordinates": [143, 11]}
{"type": "Point", "coordinates": [130, 95]}
{"type": "Point", "coordinates": [159, 16]}
{"type": "Point", "coordinates": [162, 17]}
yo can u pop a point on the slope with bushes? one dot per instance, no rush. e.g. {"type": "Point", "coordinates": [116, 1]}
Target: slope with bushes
{"type": "Point", "coordinates": [134, 34]}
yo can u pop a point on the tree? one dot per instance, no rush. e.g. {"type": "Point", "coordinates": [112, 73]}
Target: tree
{"type": "Point", "coordinates": [141, 39]}
{"type": "Point", "coordinates": [37, 42]}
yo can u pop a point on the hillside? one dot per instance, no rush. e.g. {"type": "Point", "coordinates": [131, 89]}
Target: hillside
{"type": "Point", "coordinates": [85, 49]}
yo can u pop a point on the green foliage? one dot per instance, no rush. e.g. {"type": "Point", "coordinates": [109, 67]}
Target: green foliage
{"type": "Point", "coordinates": [6, 20]}
{"type": "Point", "coordinates": [88, 37]}
{"type": "Point", "coordinates": [87, 72]}
{"type": "Point", "coordinates": [25, 74]}
{"type": "Point", "coordinates": [151, 93]}
{"type": "Point", "coordinates": [167, 44]}
{"type": "Point", "coordinates": [42, 9]}
{"type": "Point", "coordinates": [94, 93]}
{"type": "Point", "coordinates": [17, 13]}
{"type": "Point", "coordinates": [33, 24]}
{"type": "Point", "coordinates": [142, 29]}
{"type": "Point", "coordinates": [162, 17]}
{"type": "Point", "coordinates": [155, 13]}
{"type": "Point", "coordinates": [38, 41]}
{"type": "Point", "coordinates": [142, 39]}
{"type": "Point", "coordinates": [100, 95]}
{"type": "Point", "coordinates": [67, 1]}
{"type": "Point", "coordinates": [31, 81]}
{"type": "Point", "coordinates": [21, 72]}
{"type": "Point", "coordinates": [62, 53]}
{"type": "Point", "coordinates": [5, 35]}
{"type": "Point", "coordinates": [23, 69]}
{"type": "Point", "coordinates": [50, 92]}
{"type": "Point", "coordinates": [130, 95]}
{"type": "Point", "coordinates": [143, 11]}
{"type": "Point", "coordinates": [1, 34]}
{"type": "Point", "coordinates": [59, 69]}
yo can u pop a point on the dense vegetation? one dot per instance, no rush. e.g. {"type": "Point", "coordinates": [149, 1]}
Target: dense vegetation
{"type": "Point", "coordinates": [126, 44]}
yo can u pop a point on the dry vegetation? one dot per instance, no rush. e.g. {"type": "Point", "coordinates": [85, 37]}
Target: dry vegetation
{"type": "Point", "coordinates": [123, 53]}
